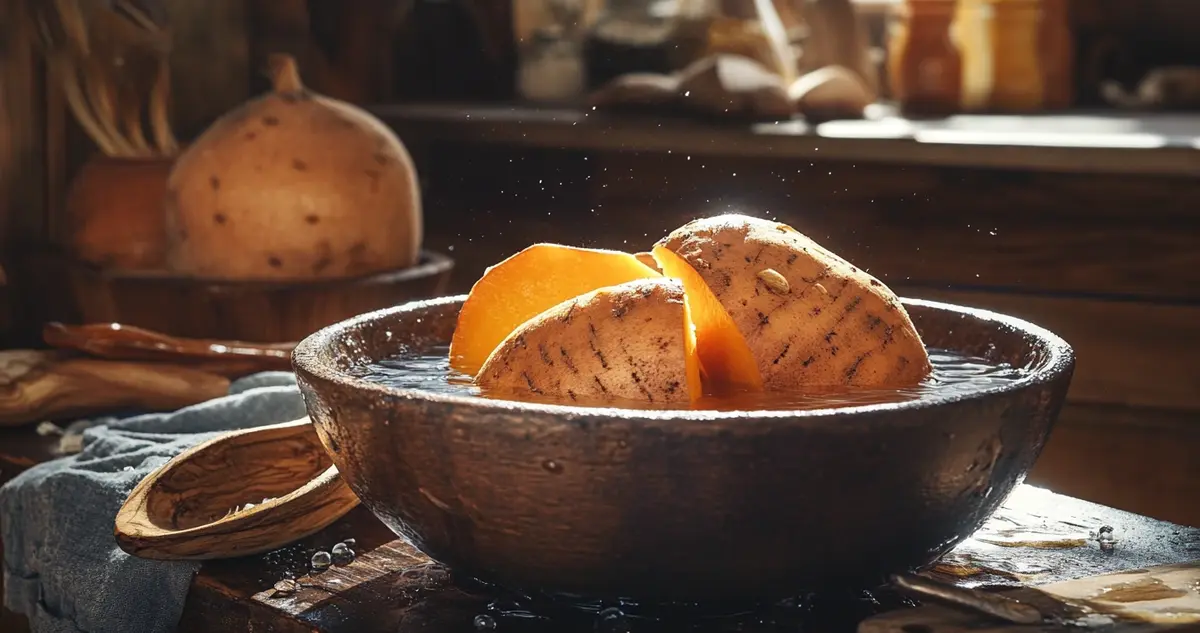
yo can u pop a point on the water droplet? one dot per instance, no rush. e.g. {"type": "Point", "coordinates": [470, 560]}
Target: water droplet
{"type": "Point", "coordinates": [552, 466]}
{"type": "Point", "coordinates": [342, 555]}
{"type": "Point", "coordinates": [321, 561]}
{"type": "Point", "coordinates": [484, 622]}
{"type": "Point", "coordinates": [612, 620]}
{"type": "Point", "coordinates": [350, 542]}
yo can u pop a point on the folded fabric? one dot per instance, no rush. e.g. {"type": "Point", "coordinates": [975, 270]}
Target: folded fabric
{"type": "Point", "coordinates": [62, 566]}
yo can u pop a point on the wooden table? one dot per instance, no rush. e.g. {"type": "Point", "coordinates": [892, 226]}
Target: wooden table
{"type": "Point", "coordinates": [392, 587]}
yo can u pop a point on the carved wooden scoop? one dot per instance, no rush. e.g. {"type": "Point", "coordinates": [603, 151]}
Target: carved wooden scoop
{"type": "Point", "coordinates": [243, 493]}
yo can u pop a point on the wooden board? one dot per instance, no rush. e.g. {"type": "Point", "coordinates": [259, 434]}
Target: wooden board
{"type": "Point", "coordinates": [1171, 150]}
{"type": "Point", "coordinates": [1134, 601]}
{"type": "Point", "coordinates": [1129, 238]}
{"type": "Point", "coordinates": [210, 61]}
{"type": "Point", "coordinates": [1129, 354]}
{"type": "Point", "coordinates": [1136, 459]}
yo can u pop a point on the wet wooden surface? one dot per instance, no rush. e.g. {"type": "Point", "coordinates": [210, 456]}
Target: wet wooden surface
{"type": "Point", "coordinates": [392, 587]}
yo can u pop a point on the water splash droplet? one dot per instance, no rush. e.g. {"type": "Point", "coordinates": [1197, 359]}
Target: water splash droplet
{"type": "Point", "coordinates": [612, 620]}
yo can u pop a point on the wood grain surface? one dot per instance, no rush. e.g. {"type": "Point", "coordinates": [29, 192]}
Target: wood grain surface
{"type": "Point", "coordinates": [194, 506]}
{"type": "Point", "coordinates": [259, 312]}
{"type": "Point", "coordinates": [1168, 600]}
{"type": "Point", "coordinates": [36, 386]}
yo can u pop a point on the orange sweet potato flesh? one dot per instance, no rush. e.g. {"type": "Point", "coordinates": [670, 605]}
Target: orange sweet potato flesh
{"type": "Point", "coordinates": [726, 362]}
{"type": "Point", "coordinates": [527, 284]}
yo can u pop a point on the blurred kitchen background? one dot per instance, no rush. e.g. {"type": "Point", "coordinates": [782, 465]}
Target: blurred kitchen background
{"type": "Point", "coordinates": [1039, 157]}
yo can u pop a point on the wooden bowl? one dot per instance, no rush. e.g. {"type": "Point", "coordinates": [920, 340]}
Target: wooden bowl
{"type": "Point", "coordinates": [681, 505]}
{"type": "Point", "coordinates": [260, 312]}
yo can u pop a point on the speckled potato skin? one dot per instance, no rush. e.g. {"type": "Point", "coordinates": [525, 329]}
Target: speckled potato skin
{"type": "Point", "coordinates": [293, 186]}
{"type": "Point", "coordinates": [834, 326]}
{"type": "Point", "coordinates": [624, 341]}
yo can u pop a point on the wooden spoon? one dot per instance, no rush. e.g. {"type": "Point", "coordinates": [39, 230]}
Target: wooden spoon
{"type": "Point", "coordinates": [113, 341]}
{"type": "Point", "coordinates": [194, 507]}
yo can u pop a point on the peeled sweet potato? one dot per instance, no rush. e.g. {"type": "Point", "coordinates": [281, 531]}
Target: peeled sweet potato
{"type": "Point", "coordinates": [809, 317]}
{"type": "Point", "coordinates": [525, 285]}
{"type": "Point", "coordinates": [631, 341]}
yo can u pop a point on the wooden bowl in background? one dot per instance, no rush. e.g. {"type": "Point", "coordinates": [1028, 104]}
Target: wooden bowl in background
{"type": "Point", "coordinates": [260, 312]}
{"type": "Point", "coordinates": [681, 505]}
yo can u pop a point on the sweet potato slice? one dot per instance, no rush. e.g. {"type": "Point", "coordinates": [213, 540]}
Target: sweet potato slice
{"type": "Point", "coordinates": [633, 341]}
{"type": "Point", "coordinates": [726, 363]}
{"type": "Point", "coordinates": [809, 317]}
{"type": "Point", "coordinates": [525, 285]}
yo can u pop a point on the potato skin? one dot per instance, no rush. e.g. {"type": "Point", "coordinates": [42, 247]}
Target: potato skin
{"type": "Point", "coordinates": [833, 326]}
{"type": "Point", "coordinates": [293, 186]}
{"type": "Point", "coordinates": [620, 342]}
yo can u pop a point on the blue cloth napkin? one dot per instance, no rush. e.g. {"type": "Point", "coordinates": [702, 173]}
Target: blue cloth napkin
{"type": "Point", "coordinates": [62, 566]}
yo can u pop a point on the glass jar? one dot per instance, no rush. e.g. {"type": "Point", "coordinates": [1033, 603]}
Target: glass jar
{"type": "Point", "coordinates": [1001, 47]}
{"type": "Point", "coordinates": [1057, 49]}
{"type": "Point", "coordinates": [924, 66]}
{"type": "Point", "coordinates": [753, 29]}
{"type": "Point", "coordinates": [551, 65]}
{"type": "Point", "coordinates": [648, 36]}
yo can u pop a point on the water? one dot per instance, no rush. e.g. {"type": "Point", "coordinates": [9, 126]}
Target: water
{"type": "Point", "coordinates": [953, 373]}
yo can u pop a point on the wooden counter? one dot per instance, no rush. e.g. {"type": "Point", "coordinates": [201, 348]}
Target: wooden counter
{"type": "Point", "coordinates": [392, 587]}
{"type": "Point", "coordinates": [1101, 143]}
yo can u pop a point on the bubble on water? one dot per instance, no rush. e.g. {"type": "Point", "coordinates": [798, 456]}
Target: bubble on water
{"type": "Point", "coordinates": [321, 561]}
{"type": "Point", "coordinates": [484, 622]}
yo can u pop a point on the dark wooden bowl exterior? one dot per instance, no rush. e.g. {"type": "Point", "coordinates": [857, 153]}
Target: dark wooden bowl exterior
{"type": "Point", "coordinates": [682, 505]}
{"type": "Point", "coordinates": [260, 312]}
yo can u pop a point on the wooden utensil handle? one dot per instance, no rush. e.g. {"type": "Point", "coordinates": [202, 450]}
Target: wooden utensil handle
{"type": "Point", "coordinates": [39, 386]}
{"type": "Point", "coordinates": [122, 342]}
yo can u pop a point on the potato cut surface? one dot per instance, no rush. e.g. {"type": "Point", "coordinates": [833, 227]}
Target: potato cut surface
{"type": "Point", "coordinates": [726, 362]}
{"type": "Point", "coordinates": [631, 341]}
{"type": "Point", "coordinates": [525, 285]}
{"type": "Point", "coordinates": [809, 317]}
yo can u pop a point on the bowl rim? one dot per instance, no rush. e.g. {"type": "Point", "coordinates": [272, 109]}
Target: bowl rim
{"type": "Point", "coordinates": [306, 361]}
